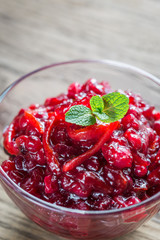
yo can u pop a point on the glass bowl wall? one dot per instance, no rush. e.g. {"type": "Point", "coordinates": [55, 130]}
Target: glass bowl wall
{"type": "Point", "coordinates": [50, 81]}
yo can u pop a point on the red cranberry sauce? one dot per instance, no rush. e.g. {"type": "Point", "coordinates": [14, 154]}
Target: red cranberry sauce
{"type": "Point", "coordinates": [115, 171]}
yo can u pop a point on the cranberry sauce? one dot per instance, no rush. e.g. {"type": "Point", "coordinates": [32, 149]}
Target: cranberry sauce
{"type": "Point", "coordinates": [115, 165]}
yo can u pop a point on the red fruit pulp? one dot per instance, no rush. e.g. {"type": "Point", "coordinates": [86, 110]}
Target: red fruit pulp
{"type": "Point", "coordinates": [100, 167]}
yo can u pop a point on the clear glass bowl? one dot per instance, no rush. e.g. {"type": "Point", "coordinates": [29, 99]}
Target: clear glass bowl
{"type": "Point", "coordinates": [52, 80]}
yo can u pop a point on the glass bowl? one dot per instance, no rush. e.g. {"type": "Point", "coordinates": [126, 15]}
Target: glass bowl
{"type": "Point", "coordinates": [52, 80]}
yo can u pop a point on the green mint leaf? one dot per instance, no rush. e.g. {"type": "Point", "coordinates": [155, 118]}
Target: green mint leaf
{"type": "Point", "coordinates": [97, 104]}
{"type": "Point", "coordinates": [80, 115]}
{"type": "Point", "coordinates": [101, 116]}
{"type": "Point", "coordinates": [116, 106]}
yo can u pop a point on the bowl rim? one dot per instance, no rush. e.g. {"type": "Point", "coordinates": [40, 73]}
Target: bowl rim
{"type": "Point", "coordinates": [112, 64]}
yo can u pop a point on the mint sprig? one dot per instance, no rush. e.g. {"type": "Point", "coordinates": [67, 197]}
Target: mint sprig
{"type": "Point", "coordinates": [115, 106]}
{"type": "Point", "coordinates": [80, 115]}
{"type": "Point", "coordinates": [97, 104]}
{"type": "Point", "coordinates": [108, 108]}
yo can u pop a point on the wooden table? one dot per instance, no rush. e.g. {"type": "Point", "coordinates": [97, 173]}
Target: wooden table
{"type": "Point", "coordinates": [35, 33]}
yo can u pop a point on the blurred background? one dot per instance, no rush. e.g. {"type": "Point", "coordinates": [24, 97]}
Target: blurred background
{"type": "Point", "coordinates": [37, 33]}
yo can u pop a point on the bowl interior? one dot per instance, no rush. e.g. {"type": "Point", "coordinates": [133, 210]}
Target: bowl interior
{"type": "Point", "coordinates": [54, 80]}
{"type": "Point", "coordinates": [51, 81]}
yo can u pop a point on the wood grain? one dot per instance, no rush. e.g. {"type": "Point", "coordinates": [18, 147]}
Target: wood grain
{"type": "Point", "coordinates": [36, 33]}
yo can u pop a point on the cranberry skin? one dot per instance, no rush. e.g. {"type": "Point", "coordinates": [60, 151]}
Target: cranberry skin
{"type": "Point", "coordinates": [82, 205]}
{"type": "Point", "coordinates": [153, 190]}
{"type": "Point", "coordinates": [116, 179]}
{"type": "Point", "coordinates": [30, 130]}
{"type": "Point", "coordinates": [41, 115]}
{"type": "Point", "coordinates": [120, 139]}
{"type": "Point", "coordinates": [156, 115]}
{"type": "Point", "coordinates": [34, 106]}
{"type": "Point", "coordinates": [130, 121]}
{"type": "Point", "coordinates": [143, 121]}
{"type": "Point", "coordinates": [120, 201]}
{"type": "Point", "coordinates": [34, 181]}
{"type": "Point", "coordinates": [29, 143]}
{"type": "Point", "coordinates": [93, 86]}
{"type": "Point", "coordinates": [55, 101]}
{"type": "Point", "coordinates": [40, 157]}
{"type": "Point", "coordinates": [134, 139]}
{"type": "Point", "coordinates": [23, 122]}
{"type": "Point", "coordinates": [134, 99]}
{"type": "Point", "coordinates": [140, 171]}
{"type": "Point", "coordinates": [154, 162]}
{"type": "Point", "coordinates": [19, 163]}
{"type": "Point", "coordinates": [154, 177]}
{"type": "Point", "coordinates": [59, 134]}
{"type": "Point", "coordinates": [8, 165]}
{"type": "Point", "coordinates": [72, 186]}
{"type": "Point", "coordinates": [117, 155]}
{"type": "Point", "coordinates": [74, 89]}
{"type": "Point", "coordinates": [36, 158]}
{"type": "Point", "coordinates": [132, 200]}
{"type": "Point", "coordinates": [151, 134]}
{"type": "Point", "coordinates": [64, 152]}
{"type": "Point", "coordinates": [148, 112]}
{"type": "Point", "coordinates": [51, 184]}
{"type": "Point", "coordinates": [158, 157]}
{"type": "Point", "coordinates": [146, 137]}
{"type": "Point", "coordinates": [33, 144]}
{"type": "Point", "coordinates": [29, 185]}
{"type": "Point", "coordinates": [103, 203]}
{"type": "Point", "coordinates": [140, 185]}
{"type": "Point", "coordinates": [16, 176]}
{"type": "Point", "coordinates": [125, 202]}
{"type": "Point", "coordinates": [140, 159]}
{"type": "Point", "coordinates": [91, 180]}
{"type": "Point", "coordinates": [156, 127]}
{"type": "Point", "coordinates": [134, 110]}
{"type": "Point", "coordinates": [21, 142]}
{"type": "Point", "coordinates": [154, 146]}
{"type": "Point", "coordinates": [92, 164]}
{"type": "Point", "coordinates": [30, 163]}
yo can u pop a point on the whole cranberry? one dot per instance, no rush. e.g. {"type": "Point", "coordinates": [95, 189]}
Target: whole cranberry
{"type": "Point", "coordinates": [51, 184]}
{"type": "Point", "coordinates": [133, 138]}
{"type": "Point", "coordinates": [74, 89]}
{"type": "Point", "coordinates": [130, 121]}
{"type": "Point", "coordinates": [117, 155]}
{"type": "Point", "coordinates": [156, 127]}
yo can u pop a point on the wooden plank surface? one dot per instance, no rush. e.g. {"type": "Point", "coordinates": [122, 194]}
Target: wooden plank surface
{"type": "Point", "coordinates": [36, 33]}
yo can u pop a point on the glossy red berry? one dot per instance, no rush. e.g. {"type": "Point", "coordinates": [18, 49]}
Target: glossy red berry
{"type": "Point", "coordinates": [130, 121]}
{"type": "Point", "coordinates": [117, 155]}
{"type": "Point", "coordinates": [157, 127]}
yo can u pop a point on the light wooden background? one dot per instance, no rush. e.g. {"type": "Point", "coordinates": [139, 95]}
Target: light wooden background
{"type": "Point", "coordinates": [36, 33]}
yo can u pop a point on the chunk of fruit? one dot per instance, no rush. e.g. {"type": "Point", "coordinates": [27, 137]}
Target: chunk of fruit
{"type": "Point", "coordinates": [117, 155]}
{"type": "Point", "coordinates": [134, 139]}
{"type": "Point", "coordinates": [154, 177]}
{"type": "Point", "coordinates": [116, 179]}
{"type": "Point", "coordinates": [130, 121]}
{"type": "Point", "coordinates": [74, 89]}
{"type": "Point", "coordinates": [157, 127]}
{"type": "Point", "coordinates": [51, 184]}
{"type": "Point", "coordinates": [93, 86]}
